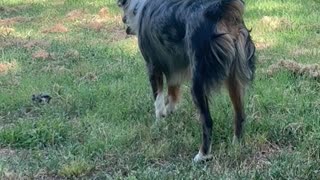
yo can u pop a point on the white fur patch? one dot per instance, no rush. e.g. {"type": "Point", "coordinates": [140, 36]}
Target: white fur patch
{"type": "Point", "coordinates": [160, 107]}
{"type": "Point", "coordinates": [200, 157]}
{"type": "Point", "coordinates": [134, 19]}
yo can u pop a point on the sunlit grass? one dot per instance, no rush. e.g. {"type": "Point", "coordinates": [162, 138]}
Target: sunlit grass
{"type": "Point", "coordinates": [100, 122]}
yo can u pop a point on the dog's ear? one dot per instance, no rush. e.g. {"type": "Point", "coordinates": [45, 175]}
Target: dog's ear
{"type": "Point", "coordinates": [121, 2]}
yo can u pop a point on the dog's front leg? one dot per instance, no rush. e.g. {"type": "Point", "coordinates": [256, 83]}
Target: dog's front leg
{"type": "Point", "coordinates": [156, 81]}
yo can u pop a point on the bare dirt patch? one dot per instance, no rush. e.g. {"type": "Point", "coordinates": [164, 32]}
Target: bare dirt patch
{"type": "Point", "coordinates": [309, 70]}
{"type": "Point", "coordinates": [12, 21]}
{"type": "Point", "coordinates": [58, 28]}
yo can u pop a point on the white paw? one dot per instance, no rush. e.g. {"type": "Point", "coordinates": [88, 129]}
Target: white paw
{"type": "Point", "coordinates": [161, 113]}
{"type": "Point", "coordinates": [170, 108]}
{"type": "Point", "coordinates": [160, 107]}
{"type": "Point", "coordinates": [201, 158]}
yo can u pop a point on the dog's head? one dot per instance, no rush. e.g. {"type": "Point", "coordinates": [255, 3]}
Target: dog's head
{"type": "Point", "coordinates": [130, 10]}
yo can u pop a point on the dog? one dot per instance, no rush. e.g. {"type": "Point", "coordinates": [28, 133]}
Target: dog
{"type": "Point", "coordinates": [205, 41]}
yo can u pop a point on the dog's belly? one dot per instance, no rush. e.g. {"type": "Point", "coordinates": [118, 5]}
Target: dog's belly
{"type": "Point", "coordinates": [169, 58]}
{"type": "Point", "coordinates": [178, 77]}
{"type": "Point", "coordinates": [162, 41]}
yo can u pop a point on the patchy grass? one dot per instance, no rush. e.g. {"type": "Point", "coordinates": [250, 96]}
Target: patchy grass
{"type": "Point", "coordinates": [100, 122]}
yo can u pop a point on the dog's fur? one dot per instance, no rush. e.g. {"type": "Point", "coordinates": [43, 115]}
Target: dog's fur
{"type": "Point", "coordinates": [203, 40]}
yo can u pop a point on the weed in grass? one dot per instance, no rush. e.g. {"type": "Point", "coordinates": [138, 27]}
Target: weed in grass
{"type": "Point", "coordinates": [75, 168]}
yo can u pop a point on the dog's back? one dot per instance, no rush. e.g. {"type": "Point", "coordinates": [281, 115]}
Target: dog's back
{"type": "Point", "coordinates": [180, 31]}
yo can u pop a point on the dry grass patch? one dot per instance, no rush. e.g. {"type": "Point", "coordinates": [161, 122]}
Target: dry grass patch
{"type": "Point", "coordinates": [11, 41]}
{"type": "Point", "coordinates": [36, 43]}
{"type": "Point", "coordinates": [43, 55]}
{"type": "Point", "coordinates": [6, 31]}
{"type": "Point", "coordinates": [58, 28]}
{"type": "Point", "coordinates": [102, 21]}
{"type": "Point", "coordinates": [275, 23]}
{"type": "Point", "coordinates": [103, 13]}
{"type": "Point", "coordinates": [6, 67]}
{"type": "Point", "coordinates": [12, 21]}
{"type": "Point", "coordinates": [11, 10]}
{"type": "Point", "coordinates": [55, 68]}
{"type": "Point", "coordinates": [77, 14]}
{"type": "Point", "coordinates": [7, 10]}
{"type": "Point", "coordinates": [263, 45]}
{"type": "Point", "coordinates": [300, 51]}
{"type": "Point", "coordinates": [96, 25]}
{"type": "Point", "coordinates": [309, 70]}
{"type": "Point", "coordinates": [261, 158]}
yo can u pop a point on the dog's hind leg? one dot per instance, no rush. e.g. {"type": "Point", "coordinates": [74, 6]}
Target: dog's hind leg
{"type": "Point", "coordinates": [156, 81]}
{"type": "Point", "coordinates": [236, 93]}
{"type": "Point", "coordinates": [200, 98]}
{"type": "Point", "coordinates": [173, 98]}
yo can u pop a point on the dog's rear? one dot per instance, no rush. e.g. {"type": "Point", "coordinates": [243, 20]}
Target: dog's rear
{"type": "Point", "coordinates": [222, 51]}
{"type": "Point", "coordinates": [233, 38]}
{"type": "Point", "coordinates": [230, 50]}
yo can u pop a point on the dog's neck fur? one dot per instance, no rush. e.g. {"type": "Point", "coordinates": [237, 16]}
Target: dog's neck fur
{"type": "Point", "coordinates": [133, 13]}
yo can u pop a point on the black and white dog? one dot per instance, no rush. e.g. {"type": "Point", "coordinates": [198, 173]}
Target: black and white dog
{"type": "Point", "coordinates": [202, 40]}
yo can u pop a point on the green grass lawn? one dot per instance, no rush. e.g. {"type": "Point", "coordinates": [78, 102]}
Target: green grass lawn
{"type": "Point", "coordinates": [100, 123]}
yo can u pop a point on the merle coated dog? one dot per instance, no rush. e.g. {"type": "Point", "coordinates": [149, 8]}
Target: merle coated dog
{"type": "Point", "coordinates": [205, 41]}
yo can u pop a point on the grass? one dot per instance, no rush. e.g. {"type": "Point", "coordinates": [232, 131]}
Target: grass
{"type": "Point", "coordinates": [100, 123]}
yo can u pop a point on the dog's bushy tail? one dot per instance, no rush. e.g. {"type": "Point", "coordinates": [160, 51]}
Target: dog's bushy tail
{"type": "Point", "coordinates": [243, 66]}
{"type": "Point", "coordinates": [231, 43]}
